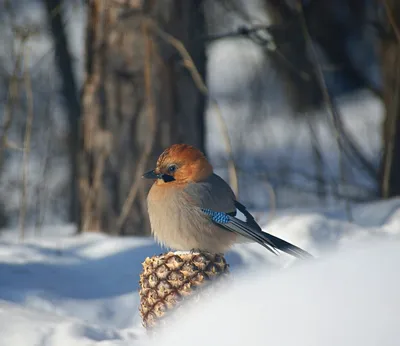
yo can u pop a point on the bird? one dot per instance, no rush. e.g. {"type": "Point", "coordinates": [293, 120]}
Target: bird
{"type": "Point", "coordinates": [192, 208]}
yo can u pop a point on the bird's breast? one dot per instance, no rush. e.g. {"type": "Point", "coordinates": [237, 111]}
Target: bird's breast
{"type": "Point", "coordinates": [178, 222]}
{"type": "Point", "coordinates": [168, 212]}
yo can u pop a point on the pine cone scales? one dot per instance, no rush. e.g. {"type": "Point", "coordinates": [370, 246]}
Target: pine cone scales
{"type": "Point", "coordinates": [168, 278]}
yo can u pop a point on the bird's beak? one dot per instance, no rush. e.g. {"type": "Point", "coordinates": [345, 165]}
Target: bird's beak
{"type": "Point", "coordinates": [151, 175]}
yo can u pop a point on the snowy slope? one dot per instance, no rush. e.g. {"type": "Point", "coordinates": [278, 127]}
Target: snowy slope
{"type": "Point", "coordinates": [82, 290]}
{"type": "Point", "coordinates": [349, 299]}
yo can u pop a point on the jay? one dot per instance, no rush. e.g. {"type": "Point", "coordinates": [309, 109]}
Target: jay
{"type": "Point", "coordinates": [191, 208]}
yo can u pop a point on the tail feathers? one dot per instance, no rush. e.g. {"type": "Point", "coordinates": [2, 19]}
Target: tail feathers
{"type": "Point", "coordinates": [287, 247]}
{"type": "Point", "coordinates": [239, 227]}
{"type": "Point", "coordinates": [253, 232]}
{"type": "Point", "coordinates": [267, 240]}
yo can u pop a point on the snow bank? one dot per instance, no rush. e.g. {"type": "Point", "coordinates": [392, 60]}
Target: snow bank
{"type": "Point", "coordinates": [349, 299]}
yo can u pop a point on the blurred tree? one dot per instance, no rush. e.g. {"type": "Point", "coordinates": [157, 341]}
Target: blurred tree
{"type": "Point", "coordinates": [332, 25]}
{"type": "Point", "coordinates": [390, 49]}
{"type": "Point", "coordinates": [137, 99]}
{"type": "Point", "coordinates": [64, 64]}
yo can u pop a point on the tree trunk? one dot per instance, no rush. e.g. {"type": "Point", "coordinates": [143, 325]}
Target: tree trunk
{"type": "Point", "coordinates": [138, 98]}
{"type": "Point", "coordinates": [70, 93]}
{"type": "Point", "coordinates": [390, 49]}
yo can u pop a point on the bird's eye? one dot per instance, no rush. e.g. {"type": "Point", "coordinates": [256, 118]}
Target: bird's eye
{"type": "Point", "coordinates": [172, 169]}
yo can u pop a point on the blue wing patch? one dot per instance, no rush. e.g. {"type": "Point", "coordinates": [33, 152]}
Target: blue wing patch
{"type": "Point", "coordinates": [217, 216]}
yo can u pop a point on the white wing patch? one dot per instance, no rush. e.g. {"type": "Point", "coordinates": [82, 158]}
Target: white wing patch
{"type": "Point", "coordinates": [239, 215]}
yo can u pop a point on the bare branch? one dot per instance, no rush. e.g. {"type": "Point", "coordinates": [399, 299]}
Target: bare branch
{"type": "Point", "coordinates": [42, 191]}
{"type": "Point", "coordinates": [198, 80]}
{"type": "Point", "coordinates": [10, 105]}
{"type": "Point", "coordinates": [27, 141]}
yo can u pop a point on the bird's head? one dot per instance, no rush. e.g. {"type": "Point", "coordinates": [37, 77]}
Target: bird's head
{"type": "Point", "coordinates": [180, 163]}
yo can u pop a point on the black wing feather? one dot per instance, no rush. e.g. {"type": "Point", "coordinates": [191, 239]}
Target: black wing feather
{"type": "Point", "coordinates": [238, 226]}
{"type": "Point", "coordinates": [265, 239]}
{"type": "Point", "coordinates": [249, 218]}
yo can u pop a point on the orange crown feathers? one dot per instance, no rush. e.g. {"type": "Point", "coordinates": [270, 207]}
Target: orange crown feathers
{"type": "Point", "coordinates": [192, 163]}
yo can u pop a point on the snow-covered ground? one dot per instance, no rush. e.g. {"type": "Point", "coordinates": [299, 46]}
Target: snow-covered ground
{"type": "Point", "coordinates": [348, 300]}
{"type": "Point", "coordinates": [61, 289]}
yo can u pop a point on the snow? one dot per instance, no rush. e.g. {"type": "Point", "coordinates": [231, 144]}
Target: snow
{"type": "Point", "coordinates": [62, 289]}
{"type": "Point", "coordinates": [21, 326]}
{"type": "Point", "coordinates": [76, 276]}
{"type": "Point", "coordinates": [348, 299]}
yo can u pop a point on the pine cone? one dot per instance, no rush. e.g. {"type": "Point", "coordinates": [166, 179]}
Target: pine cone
{"type": "Point", "coordinates": [168, 278]}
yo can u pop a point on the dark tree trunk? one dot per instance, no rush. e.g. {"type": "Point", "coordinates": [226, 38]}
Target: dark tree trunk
{"type": "Point", "coordinates": [138, 98]}
{"type": "Point", "coordinates": [70, 93]}
{"type": "Point", "coordinates": [390, 48]}
{"type": "Point", "coordinates": [330, 24]}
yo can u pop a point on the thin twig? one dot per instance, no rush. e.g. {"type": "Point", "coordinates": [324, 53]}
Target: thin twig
{"type": "Point", "coordinates": [42, 190]}
{"type": "Point", "coordinates": [27, 140]}
{"type": "Point", "coordinates": [319, 160]}
{"type": "Point", "coordinates": [151, 115]}
{"type": "Point", "coordinates": [187, 59]}
{"type": "Point", "coordinates": [12, 145]}
{"type": "Point", "coordinates": [390, 141]}
{"type": "Point", "coordinates": [198, 80]}
{"type": "Point", "coordinates": [10, 105]}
